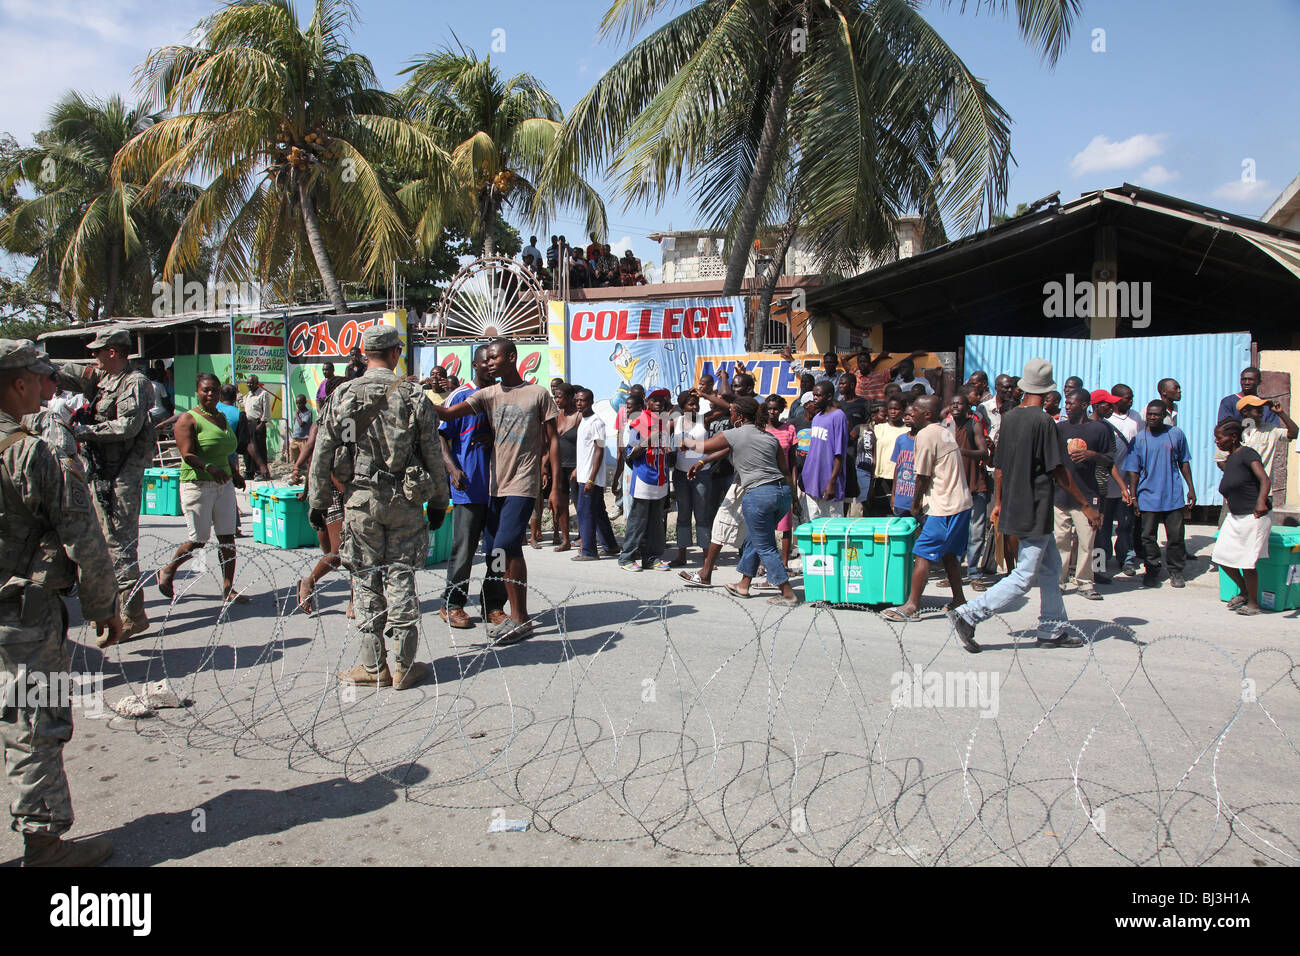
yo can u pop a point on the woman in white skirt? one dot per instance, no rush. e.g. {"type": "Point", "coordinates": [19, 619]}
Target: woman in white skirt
{"type": "Point", "coordinates": [1243, 539]}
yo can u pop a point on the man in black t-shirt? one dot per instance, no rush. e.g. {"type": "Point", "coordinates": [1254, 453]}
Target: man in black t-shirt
{"type": "Point", "coordinates": [1029, 461]}
{"type": "Point", "coordinates": [1088, 444]}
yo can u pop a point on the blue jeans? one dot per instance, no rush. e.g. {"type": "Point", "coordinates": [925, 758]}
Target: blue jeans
{"type": "Point", "coordinates": [593, 520]}
{"type": "Point", "coordinates": [693, 499]}
{"type": "Point", "coordinates": [1038, 561]}
{"type": "Point", "coordinates": [763, 507]}
{"type": "Point", "coordinates": [864, 484]}
{"type": "Point", "coordinates": [979, 519]}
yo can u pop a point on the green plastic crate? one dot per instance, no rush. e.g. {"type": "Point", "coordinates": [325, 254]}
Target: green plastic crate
{"type": "Point", "coordinates": [857, 560]}
{"type": "Point", "coordinates": [284, 519]}
{"type": "Point", "coordinates": [440, 541]}
{"type": "Point", "coordinates": [1279, 573]}
{"type": "Point", "coordinates": [259, 503]}
{"type": "Point", "coordinates": [161, 492]}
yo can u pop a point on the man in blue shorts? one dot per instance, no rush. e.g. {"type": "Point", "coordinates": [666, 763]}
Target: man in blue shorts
{"type": "Point", "coordinates": [942, 502]}
{"type": "Point", "coordinates": [524, 441]}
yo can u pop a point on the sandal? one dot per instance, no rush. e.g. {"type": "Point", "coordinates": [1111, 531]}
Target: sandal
{"type": "Point", "coordinates": [1247, 611]}
{"type": "Point", "coordinates": [693, 579]}
{"type": "Point", "coordinates": [737, 592]}
{"type": "Point", "coordinates": [305, 599]}
{"type": "Point", "coordinates": [236, 597]}
{"type": "Point", "coordinates": [1233, 604]}
{"type": "Point", "coordinates": [894, 614]}
{"type": "Point", "coordinates": [780, 601]}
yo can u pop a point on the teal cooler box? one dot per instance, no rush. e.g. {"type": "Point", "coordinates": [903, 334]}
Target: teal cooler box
{"type": "Point", "coordinates": [161, 492]}
{"type": "Point", "coordinates": [284, 519]}
{"type": "Point", "coordinates": [857, 560]}
{"type": "Point", "coordinates": [439, 541]}
{"type": "Point", "coordinates": [259, 503]}
{"type": "Point", "coordinates": [1279, 573]}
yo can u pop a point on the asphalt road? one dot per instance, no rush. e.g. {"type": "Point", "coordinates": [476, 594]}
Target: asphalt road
{"type": "Point", "coordinates": [650, 724]}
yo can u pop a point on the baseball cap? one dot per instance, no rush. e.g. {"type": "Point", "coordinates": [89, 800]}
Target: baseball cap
{"type": "Point", "coordinates": [1249, 400]}
{"type": "Point", "coordinates": [1101, 395]}
{"type": "Point", "coordinates": [377, 338]}
{"type": "Point", "coordinates": [110, 338]}
{"type": "Point", "coordinates": [23, 353]}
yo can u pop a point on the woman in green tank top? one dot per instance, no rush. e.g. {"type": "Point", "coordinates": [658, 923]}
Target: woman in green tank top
{"type": "Point", "coordinates": [206, 442]}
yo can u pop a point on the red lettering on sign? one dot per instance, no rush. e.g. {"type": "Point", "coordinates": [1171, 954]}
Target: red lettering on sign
{"type": "Point", "coordinates": [320, 340]}
{"type": "Point", "coordinates": [643, 329]}
{"type": "Point", "coordinates": [718, 316]}
{"type": "Point", "coordinates": [606, 325]}
{"type": "Point", "coordinates": [696, 325]}
{"type": "Point", "coordinates": [348, 337]}
{"type": "Point", "coordinates": [671, 316]}
{"type": "Point", "coordinates": [582, 326]}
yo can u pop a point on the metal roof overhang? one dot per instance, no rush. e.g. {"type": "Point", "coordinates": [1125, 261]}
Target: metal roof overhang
{"type": "Point", "coordinates": [1210, 272]}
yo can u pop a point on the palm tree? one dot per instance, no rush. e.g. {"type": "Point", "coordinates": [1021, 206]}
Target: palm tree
{"type": "Point", "coordinates": [94, 242]}
{"type": "Point", "coordinates": [860, 101]}
{"type": "Point", "coordinates": [499, 133]}
{"type": "Point", "coordinates": [287, 126]}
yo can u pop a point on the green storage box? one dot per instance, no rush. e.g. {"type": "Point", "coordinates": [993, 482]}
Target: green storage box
{"type": "Point", "coordinates": [440, 541]}
{"type": "Point", "coordinates": [1279, 573]}
{"type": "Point", "coordinates": [258, 503]}
{"type": "Point", "coordinates": [161, 492]}
{"type": "Point", "coordinates": [284, 519]}
{"type": "Point", "coordinates": [857, 560]}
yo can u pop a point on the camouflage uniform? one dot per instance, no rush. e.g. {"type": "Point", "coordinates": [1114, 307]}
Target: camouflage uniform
{"type": "Point", "coordinates": [385, 536]}
{"type": "Point", "coordinates": [124, 437]}
{"type": "Point", "coordinates": [48, 532]}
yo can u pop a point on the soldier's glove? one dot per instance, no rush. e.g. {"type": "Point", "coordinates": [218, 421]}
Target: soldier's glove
{"type": "Point", "coordinates": [316, 518]}
{"type": "Point", "coordinates": [436, 517]}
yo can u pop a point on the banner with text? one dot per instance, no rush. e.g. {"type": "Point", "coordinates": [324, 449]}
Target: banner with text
{"type": "Point", "coordinates": [772, 373]}
{"type": "Point", "coordinates": [258, 346]}
{"type": "Point", "coordinates": [659, 344]}
{"type": "Point", "coordinates": [316, 339]}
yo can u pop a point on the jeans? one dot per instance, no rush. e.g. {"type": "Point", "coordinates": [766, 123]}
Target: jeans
{"type": "Point", "coordinates": [593, 520]}
{"type": "Point", "coordinates": [645, 531]}
{"type": "Point", "coordinates": [1038, 561]}
{"type": "Point", "coordinates": [694, 495]}
{"type": "Point", "coordinates": [864, 483]}
{"type": "Point", "coordinates": [1175, 549]}
{"type": "Point", "coordinates": [763, 507]}
{"type": "Point", "coordinates": [504, 527]}
{"type": "Point", "coordinates": [466, 532]}
{"type": "Point", "coordinates": [979, 520]}
{"type": "Point", "coordinates": [1119, 517]}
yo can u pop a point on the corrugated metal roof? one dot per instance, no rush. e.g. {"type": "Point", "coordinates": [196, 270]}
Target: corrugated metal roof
{"type": "Point", "coordinates": [1208, 367]}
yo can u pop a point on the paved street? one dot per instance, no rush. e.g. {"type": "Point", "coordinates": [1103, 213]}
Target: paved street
{"type": "Point", "coordinates": [648, 724]}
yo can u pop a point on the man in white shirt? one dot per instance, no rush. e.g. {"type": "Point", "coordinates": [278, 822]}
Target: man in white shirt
{"type": "Point", "coordinates": [257, 406]}
{"type": "Point", "coordinates": [907, 378]}
{"type": "Point", "coordinates": [1123, 418]}
{"type": "Point", "coordinates": [532, 250]}
{"type": "Point", "coordinates": [1261, 437]}
{"type": "Point", "coordinates": [593, 519]}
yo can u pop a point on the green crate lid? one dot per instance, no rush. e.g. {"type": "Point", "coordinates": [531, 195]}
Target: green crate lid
{"type": "Point", "coordinates": [283, 494]}
{"type": "Point", "coordinates": [1286, 537]}
{"type": "Point", "coordinates": [885, 528]}
{"type": "Point", "coordinates": [176, 472]}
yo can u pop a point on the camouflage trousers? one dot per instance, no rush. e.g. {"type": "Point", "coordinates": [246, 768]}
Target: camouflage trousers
{"type": "Point", "coordinates": [121, 524]}
{"type": "Point", "coordinates": [382, 547]}
{"type": "Point", "coordinates": [33, 728]}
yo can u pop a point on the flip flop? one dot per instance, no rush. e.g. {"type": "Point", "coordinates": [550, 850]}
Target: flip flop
{"type": "Point", "coordinates": [737, 592]}
{"type": "Point", "coordinates": [783, 601]}
{"type": "Point", "coordinates": [1247, 611]}
{"type": "Point", "coordinates": [894, 614]}
{"type": "Point", "coordinates": [305, 603]}
{"type": "Point", "coordinates": [693, 579]}
{"type": "Point", "coordinates": [1233, 604]}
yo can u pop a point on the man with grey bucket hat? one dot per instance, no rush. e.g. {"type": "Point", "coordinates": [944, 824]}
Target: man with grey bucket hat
{"type": "Point", "coordinates": [119, 445]}
{"type": "Point", "coordinates": [1029, 461]}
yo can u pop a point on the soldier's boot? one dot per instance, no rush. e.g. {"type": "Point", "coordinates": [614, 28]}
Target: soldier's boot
{"type": "Point", "coordinates": [361, 677]}
{"type": "Point", "coordinates": [48, 849]}
{"type": "Point", "coordinates": [409, 676]}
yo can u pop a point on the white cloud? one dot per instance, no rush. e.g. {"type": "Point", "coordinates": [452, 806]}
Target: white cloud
{"type": "Point", "coordinates": [93, 46]}
{"type": "Point", "coordinates": [1103, 155]}
{"type": "Point", "coordinates": [1242, 192]}
{"type": "Point", "coordinates": [1157, 176]}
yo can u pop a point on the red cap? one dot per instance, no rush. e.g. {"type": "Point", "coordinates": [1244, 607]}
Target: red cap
{"type": "Point", "coordinates": [1101, 395]}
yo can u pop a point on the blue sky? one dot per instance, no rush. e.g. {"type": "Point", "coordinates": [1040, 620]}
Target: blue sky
{"type": "Point", "coordinates": [1185, 92]}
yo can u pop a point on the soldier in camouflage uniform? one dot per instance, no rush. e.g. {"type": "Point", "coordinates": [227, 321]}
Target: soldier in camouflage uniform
{"type": "Point", "coordinates": [379, 437]}
{"type": "Point", "coordinates": [49, 540]}
{"type": "Point", "coordinates": [119, 446]}
{"type": "Point", "coordinates": [46, 423]}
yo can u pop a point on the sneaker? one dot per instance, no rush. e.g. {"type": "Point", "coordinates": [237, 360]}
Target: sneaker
{"type": "Point", "coordinates": [403, 679]}
{"type": "Point", "coordinates": [1151, 579]}
{"type": "Point", "coordinates": [1061, 639]}
{"type": "Point", "coordinates": [630, 566]}
{"type": "Point", "coordinates": [360, 677]}
{"type": "Point", "coordinates": [965, 632]}
{"type": "Point", "coordinates": [1176, 580]}
{"type": "Point", "coordinates": [1089, 594]}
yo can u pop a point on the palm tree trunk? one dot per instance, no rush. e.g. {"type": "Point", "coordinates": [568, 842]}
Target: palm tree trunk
{"type": "Point", "coordinates": [489, 232]}
{"type": "Point", "coordinates": [318, 251]}
{"type": "Point", "coordinates": [773, 275]}
{"type": "Point", "coordinates": [761, 178]}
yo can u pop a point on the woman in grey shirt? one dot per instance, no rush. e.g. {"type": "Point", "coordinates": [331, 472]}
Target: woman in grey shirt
{"type": "Point", "coordinates": [766, 490]}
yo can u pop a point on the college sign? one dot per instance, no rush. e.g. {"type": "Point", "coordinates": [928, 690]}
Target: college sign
{"type": "Point", "coordinates": [258, 345]}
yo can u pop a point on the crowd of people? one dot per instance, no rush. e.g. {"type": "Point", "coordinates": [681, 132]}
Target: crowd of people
{"type": "Point", "coordinates": [594, 267]}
